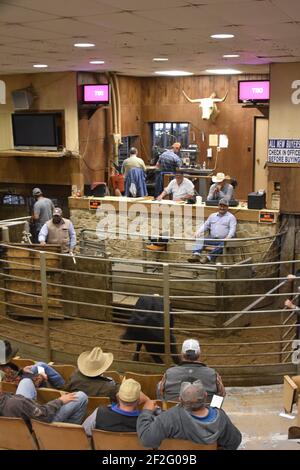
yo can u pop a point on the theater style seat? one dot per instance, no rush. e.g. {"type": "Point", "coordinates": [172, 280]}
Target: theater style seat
{"type": "Point", "coordinates": [94, 402]}
{"type": "Point", "coordinates": [15, 435]}
{"type": "Point", "coordinates": [60, 436]}
{"type": "Point", "coordinates": [22, 362]}
{"type": "Point", "coordinates": [65, 370]}
{"type": "Point", "coordinates": [182, 444]}
{"type": "Point", "coordinates": [148, 382]}
{"type": "Point", "coordinates": [106, 440]}
{"type": "Point", "coordinates": [113, 374]}
{"type": "Point", "coordinates": [291, 387]}
{"type": "Point", "coordinates": [8, 387]}
{"type": "Point", "coordinates": [47, 394]}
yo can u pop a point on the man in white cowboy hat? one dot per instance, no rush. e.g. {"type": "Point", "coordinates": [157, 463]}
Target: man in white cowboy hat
{"type": "Point", "coordinates": [220, 189]}
{"type": "Point", "coordinates": [121, 416]}
{"type": "Point", "coordinates": [88, 377]}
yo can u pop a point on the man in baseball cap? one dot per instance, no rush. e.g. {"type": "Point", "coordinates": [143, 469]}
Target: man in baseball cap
{"type": "Point", "coordinates": [58, 231]}
{"type": "Point", "coordinates": [42, 211]}
{"type": "Point", "coordinates": [190, 369]}
{"type": "Point", "coordinates": [121, 416]}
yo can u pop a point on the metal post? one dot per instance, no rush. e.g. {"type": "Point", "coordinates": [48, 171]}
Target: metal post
{"type": "Point", "coordinates": [166, 294]}
{"type": "Point", "coordinates": [44, 292]}
{"type": "Point", "coordinates": [5, 233]}
{"type": "Point", "coordinates": [220, 303]}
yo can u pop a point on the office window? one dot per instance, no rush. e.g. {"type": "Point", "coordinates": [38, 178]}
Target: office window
{"type": "Point", "coordinates": [164, 134]}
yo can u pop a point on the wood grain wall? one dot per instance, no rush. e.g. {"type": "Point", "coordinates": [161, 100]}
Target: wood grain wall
{"type": "Point", "coordinates": [143, 100]}
{"type": "Point", "coordinates": [162, 100]}
{"type": "Point", "coordinates": [55, 91]}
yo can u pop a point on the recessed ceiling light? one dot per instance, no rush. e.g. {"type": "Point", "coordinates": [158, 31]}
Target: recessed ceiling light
{"type": "Point", "coordinates": [97, 62]}
{"type": "Point", "coordinates": [84, 44]}
{"type": "Point", "coordinates": [223, 71]}
{"type": "Point", "coordinates": [230, 56]}
{"type": "Point", "coordinates": [160, 59]}
{"type": "Point", "coordinates": [40, 66]}
{"type": "Point", "coordinates": [173, 73]}
{"type": "Point", "coordinates": [222, 36]}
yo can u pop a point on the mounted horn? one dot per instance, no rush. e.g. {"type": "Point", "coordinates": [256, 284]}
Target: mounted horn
{"type": "Point", "coordinates": [219, 100]}
{"type": "Point", "coordinates": [198, 100]}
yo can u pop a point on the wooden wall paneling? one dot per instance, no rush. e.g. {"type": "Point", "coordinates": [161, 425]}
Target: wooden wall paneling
{"type": "Point", "coordinates": [55, 91]}
{"type": "Point", "coordinates": [59, 171]}
{"type": "Point", "coordinates": [162, 100]}
{"type": "Point", "coordinates": [130, 97]}
{"type": "Point", "coordinates": [288, 177]}
{"type": "Point", "coordinates": [92, 145]}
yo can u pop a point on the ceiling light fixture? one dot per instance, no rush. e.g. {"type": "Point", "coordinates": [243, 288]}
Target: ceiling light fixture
{"type": "Point", "coordinates": [40, 66]}
{"type": "Point", "coordinates": [84, 44]}
{"type": "Point", "coordinates": [160, 59]}
{"type": "Point", "coordinates": [223, 71]}
{"type": "Point", "coordinates": [222, 36]}
{"type": "Point", "coordinates": [97, 62]}
{"type": "Point", "coordinates": [173, 73]}
{"type": "Point", "coordinates": [230, 56]}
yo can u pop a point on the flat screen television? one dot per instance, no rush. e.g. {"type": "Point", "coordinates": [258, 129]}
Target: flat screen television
{"type": "Point", "coordinates": [255, 91]}
{"type": "Point", "coordinates": [95, 94]}
{"type": "Point", "coordinates": [37, 131]}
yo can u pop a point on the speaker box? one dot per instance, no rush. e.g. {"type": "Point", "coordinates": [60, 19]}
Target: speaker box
{"type": "Point", "coordinates": [256, 200]}
{"type": "Point", "coordinates": [22, 99]}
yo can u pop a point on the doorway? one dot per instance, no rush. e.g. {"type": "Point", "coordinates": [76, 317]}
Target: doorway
{"type": "Point", "coordinates": [261, 136]}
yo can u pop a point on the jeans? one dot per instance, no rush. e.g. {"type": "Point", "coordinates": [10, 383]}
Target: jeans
{"type": "Point", "coordinates": [205, 242]}
{"type": "Point", "coordinates": [54, 378]}
{"type": "Point", "coordinates": [72, 412]}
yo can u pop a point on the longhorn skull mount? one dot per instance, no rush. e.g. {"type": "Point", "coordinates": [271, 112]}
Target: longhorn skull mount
{"type": "Point", "coordinates": [208, 105]}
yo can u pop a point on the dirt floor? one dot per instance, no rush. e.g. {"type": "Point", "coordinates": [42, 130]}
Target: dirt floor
{"type": "Point", "coordinates": [219, 347]}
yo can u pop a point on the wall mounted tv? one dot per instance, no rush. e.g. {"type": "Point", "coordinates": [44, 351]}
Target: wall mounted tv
{"type": "Point", "coordinates": [37, 131]}
{"type": "Point", "coordinates": [95, 94]}
{"type": "Point", "coordinates": [254, 91]}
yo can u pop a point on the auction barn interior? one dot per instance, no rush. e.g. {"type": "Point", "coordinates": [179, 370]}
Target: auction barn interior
{"type": "Point", "coordinates": [150, 162]}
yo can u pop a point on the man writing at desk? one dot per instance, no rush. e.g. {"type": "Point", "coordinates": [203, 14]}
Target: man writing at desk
{"type": "Point", "coordinates": [181, 189]}
{"type": "Point", "coordinates": [220, 189]}
{"type": "Point", "coordinates": [220, 225]}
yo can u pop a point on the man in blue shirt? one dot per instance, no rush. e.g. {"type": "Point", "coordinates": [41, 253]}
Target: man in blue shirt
{"type": "Point", "coordinates": [221, 225]}
{"type": "Point", "coordinates": [168, 162]}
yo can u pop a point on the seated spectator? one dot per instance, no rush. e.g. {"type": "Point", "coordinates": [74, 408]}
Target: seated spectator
{"type": "Point", "coordinates": [10, 372]}
{"type": "Point", "coordinates": [69, 408]}
{"type": "Point", "coordinates": [189, 370]}
{"type": "Point", "coordinates": [221, 225]}
{"type": "Point", "coordinates": [220, 189]}
{"type": "Point", "coordinates": [88, 377]}
{"type": "Point", "coordinates": [121, 416]}
{"type": "Point", "coordinates": [191, 420]}
{"type": "Point", "coordinates": [180, 188]}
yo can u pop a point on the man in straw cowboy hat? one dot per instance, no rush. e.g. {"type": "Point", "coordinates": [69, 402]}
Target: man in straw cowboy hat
{"type": "Point", "coordinates": [88, 376]}
{"type": "Point", "coordinates": [220, 189]}
{"type": "Point", "coordinates": [121, 416]}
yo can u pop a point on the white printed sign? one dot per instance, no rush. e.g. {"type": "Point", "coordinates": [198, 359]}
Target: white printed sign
{"type": "Point", "coordinates": [284, 151]}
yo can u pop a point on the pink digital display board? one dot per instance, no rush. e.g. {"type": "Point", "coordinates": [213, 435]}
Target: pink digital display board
{"type": "Point", "coordinates": [258, 91]}
{"type": "Point", "coordinates": [96, 94]}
